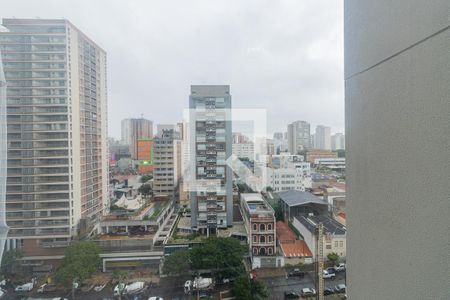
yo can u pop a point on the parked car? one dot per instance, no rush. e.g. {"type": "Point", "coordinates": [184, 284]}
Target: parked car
{"type": "Point", "coordinates": [328, 291]}
{"type": "Point", "coordinates": [155, 298]}
{"type": "Point", "coordinates": [296, 272]}
{"type": "Point", "coordinates": [24, 287]}
{"type": "Point", "coordinates": [331, 270]}
{"type": "Point", "coordinates": [327, 275]}
{"type": "Point", "coordinates": [340, 288]}
{"type": "Point", "coordinates": [291, 295]}
{"type": "Point", "coordinates": [340, 267]}
{"type": "Point", "coordinates": [308, 292]}
{"type": "Point", "coordinates": [46, 288]}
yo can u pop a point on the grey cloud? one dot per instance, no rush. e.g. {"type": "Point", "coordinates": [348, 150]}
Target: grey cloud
{"type": "Point", "coordinates": [286, 56]}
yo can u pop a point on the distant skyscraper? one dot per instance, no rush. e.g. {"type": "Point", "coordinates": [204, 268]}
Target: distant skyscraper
{"type": "Point", "coordinates": [211, 140]}
{"type": "Point", "coordinates": [164, 127]}
{"type": "Point", "coordinates": [277, 135]}
{"type": "Point", "coordinates": [57, 136]}
{"type": "Point", "coordinates": [322, 138]}
{"type": "Point", "coordinates": [299, 136]}
{"type": "Point", "coordinates": [134, 129]}
{"type": "Point", "coordinates": [338, 141]}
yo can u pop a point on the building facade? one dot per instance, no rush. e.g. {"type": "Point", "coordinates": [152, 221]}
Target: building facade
{"type": "Point", "coordinates": [57, 184]}
{"type": "Point", "coordinates": [334, 234]}
{"type": "Point", "coordinates": [134, 129]}
{"type": "Point", "coordinates": [338, 141]}
{"type": "Point", "coordinates": [259, 220]}
{"type": "Point", "coordinates": [210, 140]}
{"type": "Point", "coordinates": [244, 150]}
{"type": "Point", "coordinates": [288, 172]}
{"type": "Point", "coordinates": [3, 159]}
{"type": "Point", "coordinates": [145, 155]}
{"type": "Point", "coordinates": [167, 163]}
{"type": "Point", "coordinates": [397, 109]}
{"type": "Point", "coordinates": [299, 136]}
{"type": "Point", "coordinates": [322, 138]}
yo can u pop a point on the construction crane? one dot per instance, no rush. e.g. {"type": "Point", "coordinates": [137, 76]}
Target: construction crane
{"type": "Point", "coordinates": [319, 263]}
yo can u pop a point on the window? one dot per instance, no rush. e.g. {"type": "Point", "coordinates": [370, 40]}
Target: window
{"type": "Point", "coordinates": [328, 246]}
{"type": "Point", "coordinates": [255, 251]}
{"type": "Point", "coordinates": [270, 251]}
{"type": "Point", "coordinates": [255, 227]}
{"type": "Point", "coordinates": [255, 239]}
{"type": "Point", "coordinates": [262, 227]}
{"type": "Point", "coordinates": [270, 239]}
{"type": "Point", "coordinates": [341, 243]}
{"type": "Point", "coordinates": [336, 244]}
{"type": "Point", "coordinates": [262, 239]}
{"type": "Point", "coordinates": [269, 226]}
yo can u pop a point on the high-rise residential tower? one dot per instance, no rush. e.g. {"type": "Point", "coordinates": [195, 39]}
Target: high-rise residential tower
{"type": "Point", "coordinates": [299, 136]}
{"type": "Point", "coordinates": [3, 157]}
{"type": "Point", "coordinates": [133, 130]}
{"type": "Point", "coordinates": [322, 138]}
{"type": "Point", "coordinates": [397, 104]}
{"type": "Point", "coordinates": [211, 145]}
{"type": "Point", "coordinates": [57, 176]}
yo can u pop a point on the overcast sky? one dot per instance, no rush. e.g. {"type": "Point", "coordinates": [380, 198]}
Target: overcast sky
{"type": "Point", "coordinates": [284, 56]}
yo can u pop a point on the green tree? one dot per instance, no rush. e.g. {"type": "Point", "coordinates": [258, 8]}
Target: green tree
{"type": "Point", "coordinates": [119, 275]}
{"type": "Point", "coordinates": [146, 178]}
{"type": "Point", "coordinates": [10, 263]}
{"type": "Point", "coordinates": [177, 263]}
{"type": "Point", "coordinates": [333, 257]}
{"type": "Point", "coordinates": [269, 189]}
{"type": "Point", "coordinates": [145, 189]}
{"type": "Point", "coordinates": [222, 256]}
{"type": "Point", "coordinates": [81, 260]}
{"type": "Point", "coordinates": [245, 288]}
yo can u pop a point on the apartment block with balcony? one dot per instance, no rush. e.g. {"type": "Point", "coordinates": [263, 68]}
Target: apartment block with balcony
{"type": "Point", "coordinates": [211, 179]}
{"type": "Point", "coordinates": [57, 168]}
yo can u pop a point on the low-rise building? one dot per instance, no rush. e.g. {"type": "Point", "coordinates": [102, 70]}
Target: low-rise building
{"type": "Point", "coordinates": [244, 150]}
{"type": "Point", "coordinates": [334, 235]}
{"type": "Point", "coordinates": [288, 172]}
{"type": "Point", "coordinates": [145, 155]}
{"type": "Point", "coordinates": [296, 203]}
{"type": "Point", "coordinates": [294, 251]}
{"type": "Point", "coordinates": [259, 220]}
{"type": "Point", "coordinates": [335, 163]}
{"type": "Point", "coordinates": [313, 154]}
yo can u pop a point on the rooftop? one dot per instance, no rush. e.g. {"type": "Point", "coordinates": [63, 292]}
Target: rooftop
{"type": "Point", "coordinates": [255, 204]}
{"type": "Point", "coordinates": [330, 225]}
{"type": "Point", "coordinates": [295, 249]}
{"type": "Point", "coordinates": [284, 233]}
{"type": "Point", "coordinates": [295, 197]}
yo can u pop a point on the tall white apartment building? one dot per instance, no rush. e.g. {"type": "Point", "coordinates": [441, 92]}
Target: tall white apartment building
{"type": "Point", "coordinates": [211, 189]}
{"type": "Point", "coordinates": [322, 138]}
{"type": "Point", "coordinates": [57, 176]}
{"type": "Point", "coordinates": [288, 172]}
{"type": "Point", "coordinates": [3, 157]}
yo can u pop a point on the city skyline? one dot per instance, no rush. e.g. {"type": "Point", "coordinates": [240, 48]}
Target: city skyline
{"type": "Point", "coordinates": [164, 57]}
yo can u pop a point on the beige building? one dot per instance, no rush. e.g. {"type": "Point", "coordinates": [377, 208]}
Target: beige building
{"type": "Point", "coordinates": [334, 239]}
{"type": "Point", "coordinates": [57, 177]}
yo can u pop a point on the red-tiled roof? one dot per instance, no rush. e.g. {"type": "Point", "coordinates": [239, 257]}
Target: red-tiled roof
{"type": "Point", "coordinates": [295, 249]}
{"type": "Point", "coordinates": [284, 233]}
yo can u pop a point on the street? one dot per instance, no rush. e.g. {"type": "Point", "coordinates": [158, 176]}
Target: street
{"type": "Point", "coordinates": [278, 285]}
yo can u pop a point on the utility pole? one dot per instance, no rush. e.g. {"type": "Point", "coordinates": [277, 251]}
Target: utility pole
{"type": "Point", "coordinates": [319, 264]}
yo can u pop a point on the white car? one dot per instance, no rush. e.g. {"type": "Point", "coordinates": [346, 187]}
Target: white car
{"type": "Point", "coordinates": [307, 292]}
{"type": "Point", "coordinates": [24, 287]}
{"type": "Point", "coordinates": [327, 274]}
{"type": "Point", "coordinates": [340, 267]}
{"type": "Point", "coordinates": [155, 298]}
